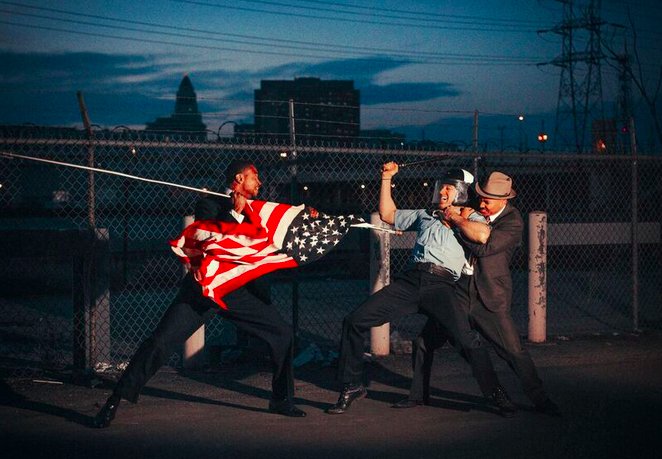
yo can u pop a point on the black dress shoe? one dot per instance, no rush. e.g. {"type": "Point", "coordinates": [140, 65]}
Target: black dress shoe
{"type": "Point", "coordinates": [286, 408]}
{"type": "Point", "coordinates": [107, 413]}
{"type": "Point", "coordinates": [347, 396]}
{"type": "Point", "coordinates": [507, 409]}
{"type": "Point", "coordinates": [548, 407]}
{"type": "Point", "coordinates": [408, 403]}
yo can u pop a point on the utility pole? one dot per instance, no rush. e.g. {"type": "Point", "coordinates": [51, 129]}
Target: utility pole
{"type": "Point", "coordinates": [580, 87]}
{"type": "Point", "coordinates": [91, 194]}
{"type": "Point", "coordinates": [624, 102]}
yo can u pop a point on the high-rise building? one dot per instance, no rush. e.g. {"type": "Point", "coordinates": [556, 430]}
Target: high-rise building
{"type": "Point", "coordinates": [323, 110]}
{"type": "Point", "coordinates": [186, 121]}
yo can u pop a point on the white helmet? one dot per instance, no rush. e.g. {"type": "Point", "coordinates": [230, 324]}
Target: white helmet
{"type": "Point", "coordinates": [460, 179]}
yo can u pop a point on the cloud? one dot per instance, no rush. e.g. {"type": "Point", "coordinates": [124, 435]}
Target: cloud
{"type": "Point", "coordinates": [124, 89]}
{"type": "Point", "coordinates": [363, 72]}
{"type": "Point", "coordinates": [41, 88]}
{"type": "Point", "coordinates": [405, 92]}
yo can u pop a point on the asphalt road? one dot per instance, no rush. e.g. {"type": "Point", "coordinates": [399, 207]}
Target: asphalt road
{"type": "Point", "coordinates": [608, 387]}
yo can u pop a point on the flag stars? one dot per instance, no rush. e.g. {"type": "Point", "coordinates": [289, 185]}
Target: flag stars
{"type": "Point", "coordinates": [313, 237]}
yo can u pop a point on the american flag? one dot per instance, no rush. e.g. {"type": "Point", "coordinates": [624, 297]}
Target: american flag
{"type": "Point", "coordinates": [226, 256]}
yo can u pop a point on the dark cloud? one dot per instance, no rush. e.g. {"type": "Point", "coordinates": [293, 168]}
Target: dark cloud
{"type": "Point", "coordinates": [405, 92]}
{"type": "Point", "coordinates": [59, 72]}
{"type": "Point", "coordinates": [363, 72]}
{"type": "Point", "coordinates": [41, 88]}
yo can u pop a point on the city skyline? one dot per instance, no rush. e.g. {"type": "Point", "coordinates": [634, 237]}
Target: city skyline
{"type": "Point", "coordinates": [422, 71]}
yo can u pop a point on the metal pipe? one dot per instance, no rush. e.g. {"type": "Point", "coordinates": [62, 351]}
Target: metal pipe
{"type": "Point", "coordinates": [380, 264]}
{"type": "Point", "coordinates": [537, 277]}
{"type": "Point", "coordinates": [635, 227]}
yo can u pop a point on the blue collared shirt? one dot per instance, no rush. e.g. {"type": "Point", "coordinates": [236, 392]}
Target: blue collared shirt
{"type": "Point", "coordinates": [435, 242]}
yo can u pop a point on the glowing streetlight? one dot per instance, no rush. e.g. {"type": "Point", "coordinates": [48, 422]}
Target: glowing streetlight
{"type": "Point", "coordinates": [522, 136]}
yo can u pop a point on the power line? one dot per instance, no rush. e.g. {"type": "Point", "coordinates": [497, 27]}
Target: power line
{"type": "Point", "coordinates": [448, 61]}
{"type": "Point", "coordinates": [290, 14]}
{"type": "Point", "coordinates": [421, 13]}
{"type": "Point", "coordinates": [380, 12]}
{"type": "Point", "coordinates": [310, 46]}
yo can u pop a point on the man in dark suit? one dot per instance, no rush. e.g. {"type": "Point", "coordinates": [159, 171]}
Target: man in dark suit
{"type": "Point", "coordinates": [485, 289]}
{"type": "Point", "coordinates": [249, 311]}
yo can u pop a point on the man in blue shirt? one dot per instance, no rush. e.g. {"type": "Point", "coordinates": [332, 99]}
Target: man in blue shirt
{"type": "Point", "coordinates": [427, 287]}
{"type": "Point", "coordinates": [485, 292]}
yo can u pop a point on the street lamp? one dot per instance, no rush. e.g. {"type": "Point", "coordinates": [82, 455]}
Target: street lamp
{"type": "Point", "coordinates": [522, 136]}
{"type": "Point", "coordinates": [218, 132]}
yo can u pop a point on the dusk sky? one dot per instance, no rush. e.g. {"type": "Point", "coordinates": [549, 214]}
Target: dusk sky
{"type": "Point", "coordinates": [421, 66]}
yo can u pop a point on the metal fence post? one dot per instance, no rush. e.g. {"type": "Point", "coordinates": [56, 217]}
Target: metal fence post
{"type": "Point", "coordinates": [91, 300]}
{"type": "Point", "coordinates": [195, 344]}
{"type": "Point", "coordinates": [537, 277]}
{"type": "Point", "coordinates": [91, 193]}
{"type": "Point", "coordinates": [294, 198]}
{"type": "Point", "coordinates": [380, 263]}
{"type": "Point", "coordinates": [635, 225]}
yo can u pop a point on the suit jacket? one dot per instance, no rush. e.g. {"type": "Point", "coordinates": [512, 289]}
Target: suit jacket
{"type": "Point", "coordinates": [492, 264]}
{"type": "Point", "coordinates": [218, 208]}
{"type": "Point", "coordinates": [214, 208]}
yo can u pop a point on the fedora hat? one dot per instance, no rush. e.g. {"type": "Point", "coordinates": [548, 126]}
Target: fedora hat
{"type": "Point", "coordinates": [497, 186]}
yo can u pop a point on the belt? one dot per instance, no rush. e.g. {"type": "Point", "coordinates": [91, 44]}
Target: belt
{"type": "Point", "coordinates": [433, 269]}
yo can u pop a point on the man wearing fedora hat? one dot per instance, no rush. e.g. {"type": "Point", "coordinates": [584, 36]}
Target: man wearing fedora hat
{"type": "Point", "coordinates": [426, 287]}
{"type": "Point", "coordinates": [485, 290]}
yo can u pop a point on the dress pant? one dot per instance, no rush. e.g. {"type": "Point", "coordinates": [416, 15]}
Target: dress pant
{"type": "Point", "coordinates": [433, 336]}
{"type": "Point", "coordinates": [189, 310]}
{"type": "Point", "coordinates": [500, 330]}
{"type": "Point", "coordinates": [413, 292]}
{"type": "Point", "coordinates": [497, 327]}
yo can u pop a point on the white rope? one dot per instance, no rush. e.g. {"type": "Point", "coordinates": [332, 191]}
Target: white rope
{"type": "Point", "coordinates": [176, 185]}
{"type": "Point", "coordinates": [105, 171]}
{"type": "Point", "coordinates": [376, 228]}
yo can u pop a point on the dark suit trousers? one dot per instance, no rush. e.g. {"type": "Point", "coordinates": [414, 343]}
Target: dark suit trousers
{"type": "Point", "coordinates": [433, 336]}
{"type": "Point", "coordinates": [413, 292]}
{"type": "Point", "coordinates": [499, 328]}
{"type": "Point", "coordinates": [496, 327]}
{"type": "Point", "coordinates": [189, 310]}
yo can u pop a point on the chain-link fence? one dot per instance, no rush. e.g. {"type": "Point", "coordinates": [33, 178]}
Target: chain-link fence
{"type": "Point", "coordinates": [88, 292]}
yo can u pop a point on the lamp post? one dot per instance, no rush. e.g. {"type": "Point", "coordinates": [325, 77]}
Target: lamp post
{"type": "Point", "coordinates": [218, 132]}
{"type": "Point", "coordinates": [522, 136]}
